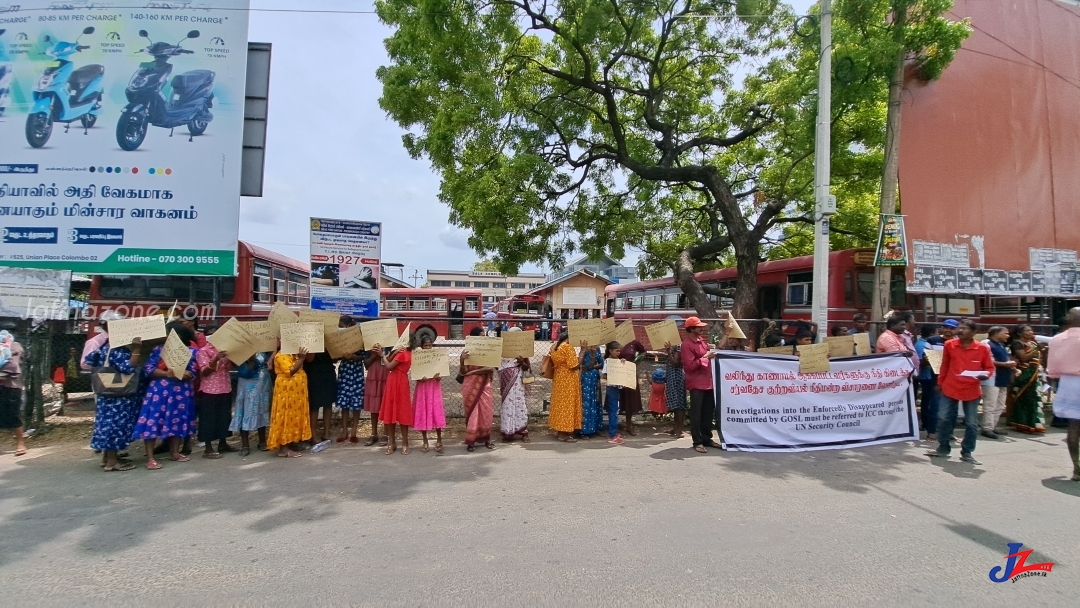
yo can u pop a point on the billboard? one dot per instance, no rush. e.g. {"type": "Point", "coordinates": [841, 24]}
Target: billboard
{"type": "Point", "coordinates": [988, 157]}
{"type": "Point", "coordinates": [122, 131]}
{"type": "Point", "coordinates": [34, 294]}
{"type": "Point", "coordinates": [345, 266]}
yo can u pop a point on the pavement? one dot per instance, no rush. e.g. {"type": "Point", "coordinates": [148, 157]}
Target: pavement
{"type": "Point", "coordinates": [545, 524]}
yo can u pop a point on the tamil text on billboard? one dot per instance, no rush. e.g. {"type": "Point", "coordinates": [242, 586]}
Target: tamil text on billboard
{"type": "Point", "coordinates": [122, 135]}
{"type": "Point", "coordinates": [346, 266]}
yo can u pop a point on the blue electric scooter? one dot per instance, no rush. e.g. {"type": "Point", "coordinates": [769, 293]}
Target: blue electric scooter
{"type": "Point", "coordinates": [64, 94]}
{"type": "Point", "coordinates": [188, 104]}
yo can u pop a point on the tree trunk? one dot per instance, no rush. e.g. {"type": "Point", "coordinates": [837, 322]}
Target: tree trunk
{"type": "Point", "coordinates": [745, 305]}
{"type": "Point", "coordinates": [695, 295]}
{"type": "Point", "coordinates": [890, 178]}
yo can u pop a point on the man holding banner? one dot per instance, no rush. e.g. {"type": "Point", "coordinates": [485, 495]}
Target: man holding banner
{"type": "Point", "coordinates": [697, 369]}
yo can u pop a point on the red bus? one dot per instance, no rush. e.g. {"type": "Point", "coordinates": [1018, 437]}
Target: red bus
{"type": "Point", "coordinates": [446, 313]}
{"type": "Point", "coordinates": [527, 310]}
{"type": "Point", "coordinates": [263, 278]}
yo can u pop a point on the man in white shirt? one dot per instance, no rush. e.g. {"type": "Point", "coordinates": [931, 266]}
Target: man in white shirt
{"type": "Point", "coordinates": [1064, 365]}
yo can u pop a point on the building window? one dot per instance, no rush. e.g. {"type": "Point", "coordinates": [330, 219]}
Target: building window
{"type": "Point", "coordinates": [534, 285]}
{"type": "Point", "coordinates": [481, 284]}
{"type": "Point", "coordinates": [517, 285]}
{"type": "Point", "coordinates": [461, 283]}
{"type": "Point", "coordinates": [441, 283]}
{"type": "Point", "coordinates": [499, 285]}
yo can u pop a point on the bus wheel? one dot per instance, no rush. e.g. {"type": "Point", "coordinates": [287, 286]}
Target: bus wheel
{"type": "Point", "coordinates": [425, 332]}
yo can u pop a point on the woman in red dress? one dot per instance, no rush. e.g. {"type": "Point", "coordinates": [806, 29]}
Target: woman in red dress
{"type": "Point", "coordinates": [396, 408]}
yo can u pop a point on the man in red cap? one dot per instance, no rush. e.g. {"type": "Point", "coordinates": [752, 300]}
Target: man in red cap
{"type": "Point", "coordinates": [697, 369]}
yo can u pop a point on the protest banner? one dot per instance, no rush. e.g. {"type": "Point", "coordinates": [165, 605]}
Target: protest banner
{"type": "Point", "coordinates": [381, 331]}
{"type": "Point", "coordinates": [281, 315]}
{"type": "Point", "coordinates": [862, 343]}
{"type": "Point", "coordinates": [518, 344]}
{"type": "Point", "coordinates": [306, 335]}
{"type": "Point", "coordinates": [403, 340]}
{"type": "Point", "coordinates": [813, 358]}
{"type": "Point", "coordinates": [328, 318]}
{"type": "Point", "coordinates": [590, 331]}
{"type": "Point", "coordinates": [624, 333]}
{"type": "Point", "coordinates": [427, 363]}
{"type": "Point", "coordinates": [483, 351]}
{"type": "Point", "coordinates": [264, 335]}
{"type": "Point", "coordinates": [765, 405]}
{"type": "Point", "coordinates": [840, 346]}
{"type": "Point", "coordinates": [344, 342]}
{"type": "Point", "coordinates": [176, 355]}
{"type": "Point", "coordinates": [776, 350]}
{"type": "Point", "coordinates": [621, 373]}
{"type": "Point", "coordinates": [234, 340]}
{"type": "Point", "coordinates": [607, 330]}
{"type": "Point", "coordinates": [933, 357]}
{"type": "Point", "coordinates": [123, 332]}
{"type": "Point", "coordinates": [664, 332]}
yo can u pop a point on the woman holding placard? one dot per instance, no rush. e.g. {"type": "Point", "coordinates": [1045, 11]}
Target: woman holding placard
{"type": "Point", "coordinates": [396, 410]}
{"type": "Point", "coordinates": [591, 412]}
{"type": "Point", "coordinates": [428, 411]}
{"type": "Point", "coordinates": [289, 421]}
{"type": "Point", "coordinates": [169, 401]}
{"type": "Point", "coordinates": [630, 397]}
{"type": "Point", "coordinates": [114, 417]}
{"type": "Point", "coordinates": [565, 416]}
{"type": "Point", "coordinates": [675, 388]}
{"type": "Point", "coordinates": [479, 401]}
{"type": "Point", "coordinates": [350, 388]}
{"type": "Point", "coordinates": [373, 389]}
{"type": "Point", "coordinates": [252, 406]}
{"type": "Point", "coordinates": [514, 419]}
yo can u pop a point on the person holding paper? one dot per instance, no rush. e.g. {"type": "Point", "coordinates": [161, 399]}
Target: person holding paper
{"type": "Point", "coordinates": [169, 405]}
{"type": "Point", "coordinates": [514, 418]}
{"type": "Point", "coordinates": [11, 385]}
{"type": "Point", "coordinates": [373, 390]}
{"type": "Point", "coordinates": [892, 341]}
{"type": "Point", "coordinates": [428, 411]}
{"type": "Point", "coordinates": [675, 388]}
{"type": "Point", "coordinates": [114, 417]}
{"type": "Point", "coordinates": [478, 398]}
{"type": "Point", "coordinates": [697, 367]}
{"type": "Point", "coordinates": [964, 363]}
{"type": "Point", "coordinates": [350, 388]}
{"type": "Point", "coordinates": [289, 420]}
{"type": "Point", "coordinates": [928, 403]}
{"type": "Point", "coordinates": [396, 410]}
{"type": "Point", "coordinates": [1026, 398]}
{"type": "Point", "coordinates": [1064, 366]}
{"type": "Point", "coordinates": [630, 397]}
{"type": "Point", "coordinates": [252, 407]}
{"type": "Point", "coordinates": [214, 398]}
{"type": "Point", "coordinates": [591, 412]}
{"type": "Point", "coordinates": [322, 391]}
{"type": "Point", "coordinates": [565, 415]}
{"type": "Point", "coordinates": [612, 395]}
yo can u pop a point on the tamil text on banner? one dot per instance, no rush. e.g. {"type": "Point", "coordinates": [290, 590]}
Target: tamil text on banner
{"type": "Point", "coordinates": [381, 332]}
{"type": "Point", "coordinates": [93, 179]}
{"type": "Point", "coordinates": [346, 266]}
{"type": "Point", "coordinates": [429, 363]}
{"type": "Point", "coordinates": [892, 243]}
{"type": "Point", "coordinates": [295, 336]}
{"type": "Point", "coordinates": [765, 405]}
{"type": "Point", "coordinates": [518, 344]}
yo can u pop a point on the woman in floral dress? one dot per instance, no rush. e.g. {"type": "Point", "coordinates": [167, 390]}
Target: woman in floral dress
{"type": "Point", "coordinates": [169, 402]}
{"type": "Point", "coordinates": [514, 419]}
{"type": "Point", "coordinates": [289, 420]}
{"type": "Point", "coordinates": [591, 410]}
{"type": "Point", "coordinates": [252, 407]}
{"type": "Point", "coordinates": [675, 389]}
{"type": "Point", "coordinates": [565, 415]}
{"type": "Point", "coordinates": [114, 417]}
{"type": "Point", "coordinates": [350, 388]}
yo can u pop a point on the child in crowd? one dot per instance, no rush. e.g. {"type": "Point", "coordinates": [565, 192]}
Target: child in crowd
{"type": "Point", "coordinates": [657, 399]}
{"type": "Point", "coordinates": [428, 412]}
{"type": "Point", "coordinates": [611, 397]}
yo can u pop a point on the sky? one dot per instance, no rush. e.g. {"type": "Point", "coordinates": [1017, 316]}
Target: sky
{"type": "Point", "coordinates": [332, 152]}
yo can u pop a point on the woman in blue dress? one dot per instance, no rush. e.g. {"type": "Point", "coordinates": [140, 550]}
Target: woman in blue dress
{"type": "Point", "coordinates": [350, 388]}
{"type": "Point", "coordinates": [252, 407]}
{"type": "Point", "coordinates": [591, 408]}
{"type": "Point", "coordinates": [167, 408]}
{"type": "Point", "coordinates": [114, 417]}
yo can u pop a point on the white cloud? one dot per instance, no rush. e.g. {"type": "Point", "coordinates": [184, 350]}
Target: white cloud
{"type": "Point", "coordinates": [457, 238]}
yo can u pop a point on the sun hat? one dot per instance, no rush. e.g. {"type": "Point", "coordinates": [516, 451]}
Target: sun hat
{"type": "Point", "coordinates": [692, 322]}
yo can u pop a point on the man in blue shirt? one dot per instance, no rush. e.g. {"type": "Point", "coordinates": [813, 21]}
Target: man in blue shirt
{"type": "Point", "coordinates": [947, 332]}
{"type": "Point", "coordinates": [927, 384]}
{"type": "Point", "coordinates": [996, 389]}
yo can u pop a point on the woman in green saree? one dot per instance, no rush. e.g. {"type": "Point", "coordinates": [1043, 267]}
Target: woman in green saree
{"type": "Point", "coordinates": [1024, 394]}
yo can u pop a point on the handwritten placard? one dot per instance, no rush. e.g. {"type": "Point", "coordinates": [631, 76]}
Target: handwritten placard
{"type": "Point", "coordinates": [840, 346]}
{"type": "Point", "coordinates": [664, 332]}
{"type": "Point", "coordinates": [607, 327]}
{"type": "Point", "coordinates": [264, 335]}
{"type": "Point", "coordinates": [732, 328]}
{"type": "Point", "coordinates": [483, 351]}
{"type": "Point", "coordinates": [621, 373]}
{"type": "Point", "coordinates": [281, 315]}
{"type": "Point", "coordinates": [862, 343]}
{"type": "Point", "coordinates": [427, 363]}
{"type": "Point", "coordinates": [776, 350]}
{"type": "Point", "coordinates": [933, 357]}
{"type": "Point", "coordinates": [328, 318]}
{"type": "Point", "coordinates": [624, 333]}
{"type": "Point", "coordinates": [344, 342]}
{"type": "Point", "coordinates": [813, 358]}
{"type": "Point", "coordinates": [518, 344]}
{"type": "Point", "coordinates": [403, 340]}
{"type": "Point", "coordinates": [590, 331]}
{"type": "Point", "coordinates": [176, 355]}
{"type": "Point", "coordinates": [234, 340]}
{"type": "Point", "coordinates": [380, 331]}
{"type": "Point", "coordinates": [981, 337]}
{"type": "Point", "coordinates": [306, 335]}
{"type": "Point", "coordinates": [123, 332]}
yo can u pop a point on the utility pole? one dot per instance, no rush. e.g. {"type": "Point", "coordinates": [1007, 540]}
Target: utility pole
{"type": "Point", "coordinates": [824, 203]}
{"type": "Point", "coordinates": [415, 275]}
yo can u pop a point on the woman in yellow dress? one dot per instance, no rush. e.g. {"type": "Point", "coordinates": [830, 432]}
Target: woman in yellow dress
{"type": "Point", "coordinates": [289, 420]}
{"type": "Point", "coordinates": [565, 416]}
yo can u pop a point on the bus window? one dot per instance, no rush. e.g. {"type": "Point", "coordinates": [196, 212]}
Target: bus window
{"type": "Point", "coordinates": [800, 289]}
{"type": "Point", "coordinates": [849, 289]}
{"type": "Point", "coordinates": [438, 304]}
{"type": "Point", "coordinates": [260, 283]}
{"type": "Point", "coordinates": [472, 304]}
{"type": "Point", "coordinates": [671, 299]}
{"type": "Point", "coordinates": [394, 303]}
{"type": "Point", "coordinates": [611, 307]}
{"type": "Point", "coordinates": [620, 301]}
{"type": "Point", "coordinates": [635, 300]}
{"type": "Point", "coordinates": [418, 303]}
{"type": "Point", "coordinates": [298, 288]}
{"type": "Point", "coordinates": [866, 288]}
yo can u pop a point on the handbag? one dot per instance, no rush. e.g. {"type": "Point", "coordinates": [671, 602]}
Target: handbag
{"type": "Point", "coordinates": [547, 367]}
{"type": "Point", "coordinates": [460, 378]}
{"type": "Point", "coordinates": [110, 382]}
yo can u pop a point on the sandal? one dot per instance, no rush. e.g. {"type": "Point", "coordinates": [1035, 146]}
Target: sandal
{"type": "Point", "coordinates": [390, 449]}
{"type": "Point", "coordinates": [405, 451]}
{"type": "Point", "coordinates": [180, 458]}
{"type": "Point", "coordinates": [120, 466]}
{"type": "Point", "coordinates": [700, 449]}
{"type": "Point", "coordinates": [438, 446]}
{"type": "Point", "coordinates": [289, 454]}
{"type": "Point", "coordinates": [212, 455]}
{"type": "Point", "coordinates": [568, 440]}
{"type": "Point", "coordinates": [245, 452]}
{"type": "Point", "coordinates": [489, 445]}
{"type": "Point", "coordinates": [263, 448]}
{"type": "Point", "coordinates": [425, 448]}
{"type": "Point", "coordinates": [371, 441]}
{"type": "Point", "coordinates": [152, 465]}
{"type": "Point", "coordinates": [525, 439]}
{"type": "Point", "coordinates": [21, 452]}
{"type": "Point", "coordinates": [354, 439]}
{"type": "Point", "coordinates": [342, 439]}
{"type": "Point", "coordinates": [470, 448]}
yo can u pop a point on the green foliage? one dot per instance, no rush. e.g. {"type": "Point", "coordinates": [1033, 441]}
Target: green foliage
{"type": "Point", "coordinates": [485, 265]}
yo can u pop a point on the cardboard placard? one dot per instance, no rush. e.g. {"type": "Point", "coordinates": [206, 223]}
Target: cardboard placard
{"type": "Point", "coordinates": [732, 328]}
{"type": "Point", "coordinates": [777, 350]}
{"type": "Point", "coordinates": [344, 342]}
{"type": "Point", "coordinates": [933, 357]}
{"type": "Point", "coordinates": [813, 358]}
{"type": "Point", "coordinates": [591, 331]}
{"type": "Point", "coordinates": [380, 331]}
{"type": "Point", "coordinates": [234, 340]}
{"type": "Point", "coordinates": [607, 327]}
{"type": "Point", "coordinates": [664, 332]}
{"type": "Point", "coordinates": [176, 355]}
{"type": "Point", "coordinates": [840, 346]}
{"type": "Point", "coordinates": [264, 335]}
{"type": "Point", "coordinates": [307, 335]}
{"type": "Point", "coordinates": [981, 337]}
{"type": "Point", "coordinates": [403, 340]}
{"type": "Point", "coordinates": [622, 373]}
{"type": "Point", "coordinates": [427, 363]}
{"type": "Point", "coordinates": [281, 315]}
{"type": "Point", "coordinates": [862, 343]}
{"type": "Point", "coordinates": [624, 333]}
{"type": "Point", "coordinates": [518, 344]}
{"type": "Point", "coordinates": [124, 331]}
{"type": "Point", "coordinates": [483, 351]}
{"type": "Point", "coordinates": [328, 318]}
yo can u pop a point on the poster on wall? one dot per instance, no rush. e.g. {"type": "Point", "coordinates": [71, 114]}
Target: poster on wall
{"type": "Point", "coordinates": [891, 246]}
{"type": "Point", "coordinates": [34, 293]}
{"type": "Point", "coordinates": [765, 405]}
{"type": "Point", "coordinates": [346, 266]}
{"type": "Point", "coordinates": [122, 131]}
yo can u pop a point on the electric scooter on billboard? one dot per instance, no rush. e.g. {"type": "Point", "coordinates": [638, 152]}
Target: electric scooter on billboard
{"type": "Point", "coordinates": [5, 83]}
{"type": "Point", "coordinates": [65, 94]}
{"type": "Point", "coordinates": [188, 104]}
